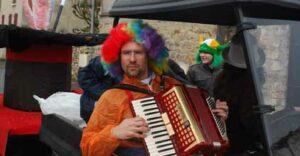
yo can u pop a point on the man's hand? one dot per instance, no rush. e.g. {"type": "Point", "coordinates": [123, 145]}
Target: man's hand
{"type": "Point", "coordinates": [221, 109]}
{"type": "Point", "coordinates": [131, 128]}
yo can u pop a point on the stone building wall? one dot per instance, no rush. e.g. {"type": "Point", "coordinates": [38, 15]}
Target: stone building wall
{"type": "Point", "coordinates": [276, 65]}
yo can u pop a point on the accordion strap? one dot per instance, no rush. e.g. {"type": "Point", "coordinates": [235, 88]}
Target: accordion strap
{"type": "Point", "coordinates": [133, 88]}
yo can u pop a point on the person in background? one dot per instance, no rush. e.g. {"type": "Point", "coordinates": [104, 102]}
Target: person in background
{"type": "Point", "coordinates": [134, 54]}
{"type": "Point", "coordinates": [235, 86]}
{"type": "Point", "coordinates": [208, 65]}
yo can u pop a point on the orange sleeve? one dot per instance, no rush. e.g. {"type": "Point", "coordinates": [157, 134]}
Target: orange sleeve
{"type": "Point", "coordinates": [97, 138]}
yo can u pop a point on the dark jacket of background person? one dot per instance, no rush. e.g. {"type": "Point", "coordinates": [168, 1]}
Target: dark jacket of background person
{"type": "Point", "coordinates": [234, 85]}
{"type": "Point", "coordinates": [177, 72]}
{"type": "Point", "coordinates": [94, 81]}
{"type": "Point", "coordinates": [203, 76]}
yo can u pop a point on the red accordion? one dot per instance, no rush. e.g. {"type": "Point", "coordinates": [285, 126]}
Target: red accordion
{"type": "Point", "coordinates": [181, 123]}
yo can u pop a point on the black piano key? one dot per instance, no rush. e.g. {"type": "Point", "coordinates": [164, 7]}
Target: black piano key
{"type": "Point", "coordinates": [156, 126]}
{"type": "Point", "coordinates": [150, 113]}
{"type": "Point", "coordinates": [170, 154]}
{"type": "Point", "coordinates": [148, 104]}
{"type": "Point", "coordinates": [147, 100]}
{"type": "Point", "coordinates": [155, 132]}
{"type": "Point", "coordinates": [160, 146]}
{"type": "Point", "coordinates": [211, 102]}
{"type": "Point", "coordinates": [149, 109]}
{"type": "Point", "coordinates": [154, 122]}
{"type": "Point", "coordinates": [165, 149]}
{"type": "Point", "coordinates": [158, 142]}
{"type": "Point", "coordinates": [153, 118]}
{"type": "Point", "coordinates": [161, 135]}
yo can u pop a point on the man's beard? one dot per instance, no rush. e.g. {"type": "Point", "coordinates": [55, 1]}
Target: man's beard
{"type": "Point", "coordinates": [135, 73]}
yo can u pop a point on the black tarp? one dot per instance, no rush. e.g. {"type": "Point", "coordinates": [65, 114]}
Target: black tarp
{"type": "Point", "coordinates": [18, 39]}
{"type": "Point", "coordinates": [24, 79]}
{"type": "Point", "coordinates": [219, 12]}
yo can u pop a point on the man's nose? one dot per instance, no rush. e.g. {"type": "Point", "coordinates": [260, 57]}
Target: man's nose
{"type": "Point", "coordinates": [132, 57]}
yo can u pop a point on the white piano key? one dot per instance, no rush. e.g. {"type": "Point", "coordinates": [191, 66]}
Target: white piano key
{"type": "Point", "coordinates": [146, 110]}
{"type": "Point", "coordinates": [153, 116]}
{"type": "Point", "coordinates": [154, 153]}
{"type": "Point", "coordinates": [140, 108]}
{"type": "Point", "coordinates": [157, 129]}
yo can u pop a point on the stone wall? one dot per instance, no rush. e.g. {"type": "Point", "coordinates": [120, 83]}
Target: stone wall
{"type": "Point", "coordinates": [275, 73]}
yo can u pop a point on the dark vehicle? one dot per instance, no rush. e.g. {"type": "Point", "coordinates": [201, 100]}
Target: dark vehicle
{"type": "Point", "coordinates": [276, 26]}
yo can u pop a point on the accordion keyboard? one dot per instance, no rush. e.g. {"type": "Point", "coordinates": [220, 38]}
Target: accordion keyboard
{"type": "Point", "coordinates": [211, 103]}
{"type": "Point", "coordinates": [157, 140]}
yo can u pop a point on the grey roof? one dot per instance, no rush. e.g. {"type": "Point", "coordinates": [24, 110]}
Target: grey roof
{"type": "Point", "coordinates": [205, 11]}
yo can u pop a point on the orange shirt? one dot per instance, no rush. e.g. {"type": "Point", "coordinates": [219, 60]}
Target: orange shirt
{"type": "Point", "coordinates": [110, 110]}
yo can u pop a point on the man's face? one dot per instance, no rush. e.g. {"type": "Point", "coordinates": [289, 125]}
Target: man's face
{"type": "Point", "coordinates": [134, 60]}
{"type": "Point", "coordinates": [206, 58]}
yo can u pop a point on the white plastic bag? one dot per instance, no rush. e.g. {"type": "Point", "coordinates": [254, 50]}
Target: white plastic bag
{"type": "Point", "coordinates": [66, 104]}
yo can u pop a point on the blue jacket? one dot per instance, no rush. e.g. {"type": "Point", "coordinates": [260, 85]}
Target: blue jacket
{"type": "Point", "coordinates": [94, 81]}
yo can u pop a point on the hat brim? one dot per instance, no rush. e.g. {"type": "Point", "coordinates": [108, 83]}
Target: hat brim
{"type": "Point", "coordinates": [235, 56]}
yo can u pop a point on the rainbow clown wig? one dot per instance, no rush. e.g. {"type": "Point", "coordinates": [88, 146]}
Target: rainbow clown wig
{"type": "Point", "coordinates": [140, 33]}
{"type": "Point", "coordinates": [214, 48]}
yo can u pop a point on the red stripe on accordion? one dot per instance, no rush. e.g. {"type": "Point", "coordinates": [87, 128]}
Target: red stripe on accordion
{"type": "Point", "coordinates": [43, 53]}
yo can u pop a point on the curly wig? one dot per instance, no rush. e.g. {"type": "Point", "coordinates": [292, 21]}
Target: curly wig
{"type": "Point", "coordinates": [214, 48]}
{"type": "Point", "coordinates": [140, 33]}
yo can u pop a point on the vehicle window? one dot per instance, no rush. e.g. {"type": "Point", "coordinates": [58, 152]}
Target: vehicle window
{"type": "Point", "coordinates": [278, 79]}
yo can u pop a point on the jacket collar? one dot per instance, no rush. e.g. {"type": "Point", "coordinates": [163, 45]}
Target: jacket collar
{"type": "Point", "coordinates": [137, 82]}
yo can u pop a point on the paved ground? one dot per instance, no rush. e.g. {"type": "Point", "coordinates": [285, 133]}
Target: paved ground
{"type": "Point", "coordinates": [2, 71]}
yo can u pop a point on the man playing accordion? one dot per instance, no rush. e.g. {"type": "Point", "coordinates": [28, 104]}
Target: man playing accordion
{"type": "Point", "coordinates": [135, 54]}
